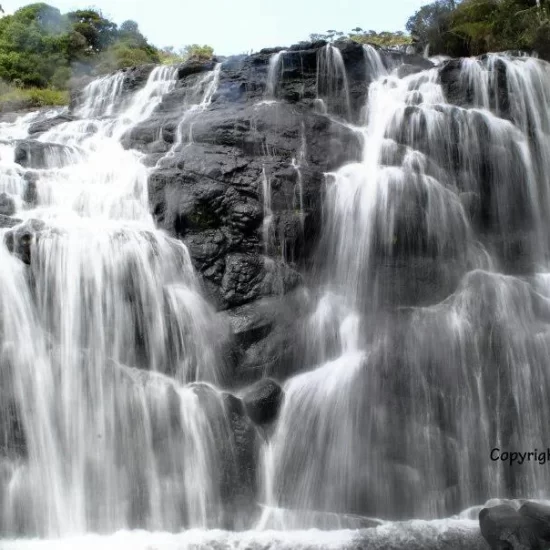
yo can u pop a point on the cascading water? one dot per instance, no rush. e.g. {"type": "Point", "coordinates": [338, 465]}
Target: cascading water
{"type": "Point", "coordinates": [401, 423]}
{"type": "Point", "coordinates": [332, 82]}
{"type": "Point", "coordinates": [276, 68]}
{"type": "Point", "coordinates": [196, 100]}
{"type": "Point", "coordinates": [102, 96]}
{"type": "Point", "coordinates": [298, 165]}
{"type": "Point", "coordinates": [424, 350]}
{"type": "Point", "coordinates": [107, 446]}
{"type": "Point", "coordinates": [268, 213]}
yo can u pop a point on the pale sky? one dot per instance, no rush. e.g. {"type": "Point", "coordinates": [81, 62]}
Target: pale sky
{"type": "Point", "coordinates": [238, 26]}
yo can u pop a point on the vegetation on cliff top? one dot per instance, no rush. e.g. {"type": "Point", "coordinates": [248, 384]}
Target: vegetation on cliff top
{"type": "Point", "coordinates": [466, 28]}
{"type": "Point", "coordinates": [41, 49]}
{"type": "Point", "coordinates": [475, 27]}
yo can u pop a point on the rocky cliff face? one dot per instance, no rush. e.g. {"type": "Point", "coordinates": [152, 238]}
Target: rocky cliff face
{"type": "Point", "coordinates": [244, 187]}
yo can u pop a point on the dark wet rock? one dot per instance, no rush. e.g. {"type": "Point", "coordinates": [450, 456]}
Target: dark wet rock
{"type": "Point", "coordinates": [47, 124]}
{"type": "Point", "coordinates": [242, 490]}
{"type": "Point", "coordinates": [460, 91]}
{"type": "Point", "coordinates": [266, 337]}
{"type": "Point", "coordinates": [37, 154]}
{"type": "Point", "coordinates": [12, 436]}
{"type": "Point", "coordinates": [503, 527]}
{"type": "Point", "coordinates": [195, 67]}
{"type": "Point", "coordinates": [209, 190]}
{"type": "Point", "coordinates": [237, 447]}
{"type": "Point", "coordinates": [136, 77]}
{"type": "Point", "coordinates": [449, 75]}
{"type": "Point", "coordinates": [537, 511]}
{"type": "Point", "coordinates": [7, 221]}
{"type": "Point", "coordinates": [406, 70]}
{"type": "Point", "coordinates": [20, 239]}
{"type": "Point", "coordinates": [393, 58]}
{"type": "Point", "coordinates": [263, 400]}
{"type": "Point", "coordinates": [31, 195]}
{"type": "Point", "coordinates": [7, 205]}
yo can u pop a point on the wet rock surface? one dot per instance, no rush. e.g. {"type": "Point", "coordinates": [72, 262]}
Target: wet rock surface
{"type": "Point", "coordinates": [504, 526]}
{"type": "Point", "coordinates": [20, 239]}
{"type": "Point", "coordinates": [49, 123]}
{"type": "Point", "coordinates": [241, 182]}
{"type": "Point", "coordinates": [31, 153]}
{"type": "Point", "coordinates": [262, 401]}
{"type": "Point", "coordinates": [7, 205]}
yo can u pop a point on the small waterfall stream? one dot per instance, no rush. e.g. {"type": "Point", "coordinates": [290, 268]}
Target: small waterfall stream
{"type": "Point", "coordinates": [332, 82]}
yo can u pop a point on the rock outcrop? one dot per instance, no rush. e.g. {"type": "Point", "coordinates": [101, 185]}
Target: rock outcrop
{"type": "Point", "coordinates": [263, 400]}
{"type": "Point", "coordinates": [506, 527]}
{"type": "Point", "coordinates": [241, 181]}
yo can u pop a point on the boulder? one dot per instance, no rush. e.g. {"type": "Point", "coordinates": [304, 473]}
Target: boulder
{"type": "Point", "coordinates": [262, 401]}
{"type": "Point", "coordinates": [7, 221]}
{"type": "Point", "coordinates": [19, 240]}
{"type": "Point", "coordinates": [240, 490]}
{"type": "Point", "coordinates": [47, 124]}
{"type": "Point", "coordinates": [7, 205]}
{"type": "Point", "coordinates": [30, 153]}
{"type": "Point", "coordinates": [504, 528]}
{"type": "Point", "coordinates": [31, 194]}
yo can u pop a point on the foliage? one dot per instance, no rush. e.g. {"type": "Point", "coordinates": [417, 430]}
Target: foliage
{"type": "Point", "coordinates": [41, 47]}
{"type": "Point", "coordinates": [384, 39]}
{"type": "Point", "coordinates": [30, 98]}
{"type": "Point", "coordinates": [98, 31]}
{"type": "Point", "coordinates": [121, 54]}
{"type": "Point", "coordinates": [430, 25]}
{"type": "Point", "coordinates": [198, 53]}
{"type": "Point", "coordinates": [169, 56]}
{"type": "Point", "coordinates": [474, 27]}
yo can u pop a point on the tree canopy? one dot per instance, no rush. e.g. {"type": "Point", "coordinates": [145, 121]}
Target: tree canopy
{"type": "Point", "coordinates": [384, 38]}
{"type": "Point", "coordinates": [41, 47]}
{"type": "Point", "coordinates": [465, 28]}
{"type": "Point", "coordinates": [474, 27]}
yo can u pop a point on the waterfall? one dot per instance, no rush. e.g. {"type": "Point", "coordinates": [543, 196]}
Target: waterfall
{"type": "Point", "coordinates": [268, 213]}
{"type": "Point", "coordinates": [196, 100]}
{"type": "Point", "coordinates": [160, 82]}
{"type": "Point", "coordinates": [298, 165]}
{"type": "Point", "coordinates": [276, 68]}
{"type": "Point", "coordinates": [374, 61]}
{"type": "Point", "coordinates": [102, 96]}
{"type": "Point", "coordinates": [419, 344]}
{"type": "Point", "coordinates": [332, 81]}
{"type": "Point", "coordinates": [401, 422]}
{"type": "Point", "coordinates": [105, 294]}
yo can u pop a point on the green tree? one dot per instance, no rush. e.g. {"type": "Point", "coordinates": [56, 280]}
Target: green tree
{"type": "Point", "coordinates": [430, 25]}
{"type": "Point", "coordinates": [40, 47]}
{"type": "Point", "coordinates": [198, 53]}
{"type": "Point", "coordinates": [98, 31]}
{"type": "Point", "coordinates": [384, 39]}
{"type": "Point", "coordinates": [32, 44]}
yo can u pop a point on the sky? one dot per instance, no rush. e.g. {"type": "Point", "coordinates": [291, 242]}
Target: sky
{"type": "Point", "coordinates": [238, 26]}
